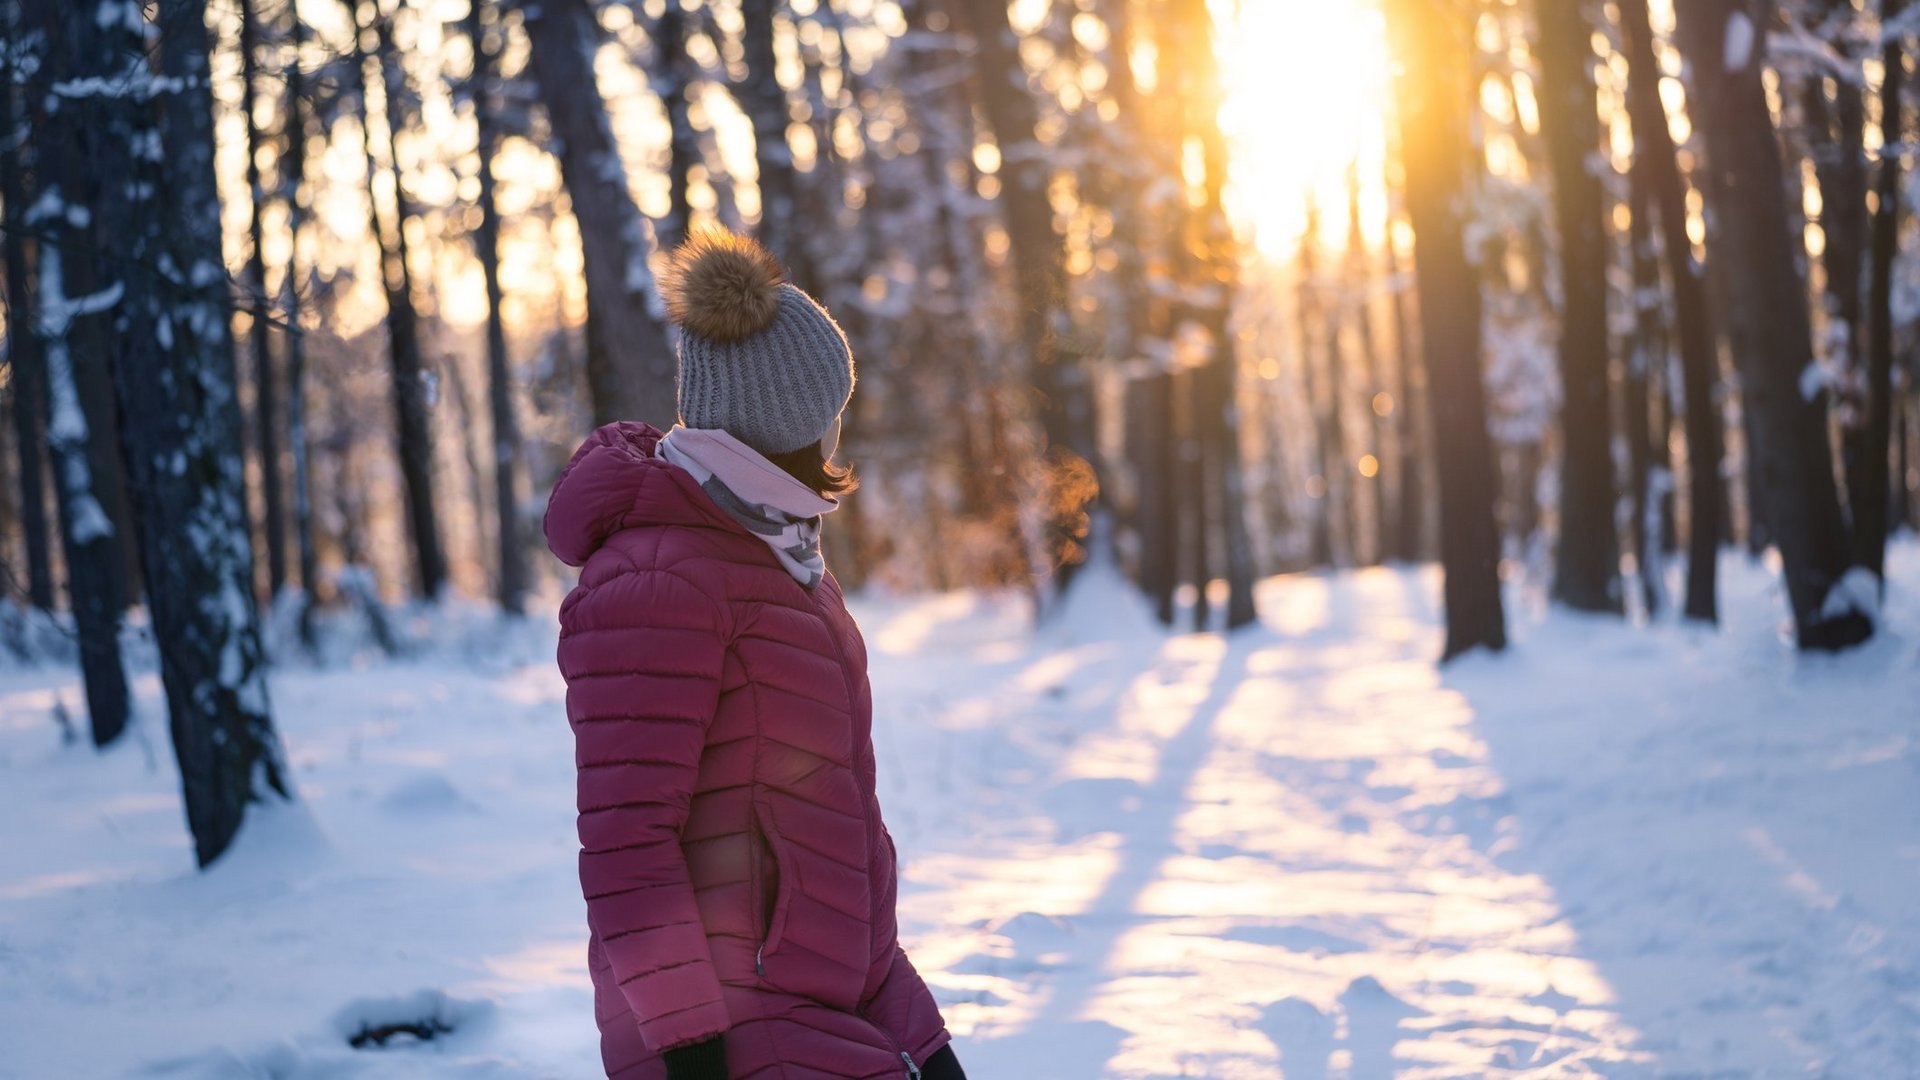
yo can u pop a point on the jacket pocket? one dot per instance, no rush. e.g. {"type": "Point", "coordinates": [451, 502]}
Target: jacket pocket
{"type": "Point", "coordinates": [776, 887]}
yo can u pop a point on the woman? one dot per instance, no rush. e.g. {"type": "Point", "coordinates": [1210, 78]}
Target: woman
{"type": "Point", "coordinates": [739, 881]}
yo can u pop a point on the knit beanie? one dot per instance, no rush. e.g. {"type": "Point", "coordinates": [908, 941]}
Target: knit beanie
{"type": "Point", "coordinates": [759, 359]}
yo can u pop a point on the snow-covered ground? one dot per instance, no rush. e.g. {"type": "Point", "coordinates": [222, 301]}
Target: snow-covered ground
{"type": "Point", "coordinates": [1301, 851]}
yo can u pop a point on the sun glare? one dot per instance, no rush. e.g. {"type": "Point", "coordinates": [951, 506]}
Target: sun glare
{"type": "Point", "coordinates": [1307, 84]}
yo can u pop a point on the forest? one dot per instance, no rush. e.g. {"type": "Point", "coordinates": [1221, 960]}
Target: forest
{"type": "Point", "coordinates": [1568, 305]}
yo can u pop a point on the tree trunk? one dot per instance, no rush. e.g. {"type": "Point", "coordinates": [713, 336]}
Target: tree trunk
{"type": "Point", "coordinates": [85, 161]}
{"type": "Point", "coordinates": [1320, 512]}
{"type": "Point", "coordinates": [1771, 333]}
{"type": "Point", "coordinates": [1410, 512]}
{"type": "Point", "coordinates": [1370, 507]}
{"type": "Point", "coordinates": [764, 101]}
{"type": "Point", "coordinates": [1834, 133]}
{"type": "Point", "coordinates": [293, 178]}
{"type": "Point", "coordinates": [673, 84]}
{"type": "Point", "coordinates": [413, 434]}
{"type": "Point", "coordinates": [1151, 425]}
{"type": "Point", "coordinates": [1869, 449]}
{"type": "Point", "coordinates": [506, 424]}
{"type": "Point", "coordinates": [630, 356]}
{"type": "Point", "coordinates": [1646, 356]}
{"type": "Point", "coordinates": [23, 343]}
{"type": "Point", "coordinates": [1654, 157]}
{"type": "Point", "coordinates": [1216, 383]}
{"type": "Point", "coordinates": [1587, 567]}
{"type": "Point", "coordinates": [265, 386]}
{"type": "Point", "coordinates": [176, 379]}
{"type": "Point", "coordinates": [1435, 92]}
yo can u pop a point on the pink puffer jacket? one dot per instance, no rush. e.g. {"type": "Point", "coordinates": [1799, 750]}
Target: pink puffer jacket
{"type": "Point", "coordinates": [737, 874]}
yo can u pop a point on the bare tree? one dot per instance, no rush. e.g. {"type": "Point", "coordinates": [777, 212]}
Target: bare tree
{"type": "Point", "coordinates": [1587, 568]}
{"type": "Point", "coordinates": [1370, 507]}
{"type": "Point", "coordinates": [764, 101]}
{"type": "Point", "coordinates": [1656, 166]}
{"type": "Point", "coordinates": [84, 160]}
{"type": "Point", "coordinates": [1410, 515]}
{"type": "Point", "coordinates": [673, 76]}
{"type": "Point", "coordinates": [1867, 471]}
{"type": "Point", "coordinates": [630, 359]}
{"type": "Point", "coordinates": [1435, 90]}
{"type": "Point", "coordinates": [486, 242]}
{"type": "Point", "coordinates": [1216, 414]}
{"type": "Point", "coordinates": [24, 354]}
{"type": "Point", "coordinates": [152, 199]}
{"type": "Point", "coordinates": [1769, 326]}
{"type": "Point", "coordinates": [413, 434]}
{"type": "Point", "coordinates": [266, 394]}
{"type": "Point", "coordinates": [293, 180]}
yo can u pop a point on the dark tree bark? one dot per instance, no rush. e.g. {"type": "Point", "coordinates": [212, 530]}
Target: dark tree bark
{"type": "Point", "coordinates": [1770, 329]}
{"type": "Point", "coordinates": [1834, 132]}
{"type": "Point", "coordinates": [673, 84]}
{"type": "Point", "coordinates": [512, 584]}
{"type": "Point", "coordinates": [175, 375]}
{"type": "Point", "coordinates": [413, 433]}
{"type": "Point", "coordinates": [266, 392]}
{"type": "Point", "coordinates": [1150, 419]}
{"type": "Point", "coordinates": [764, 101]}
{"type": "Point", "coordinates": [630, 357]}
{"type": "Point", "coordinates": [1587, 567]}
{"type": "Point", "coordinates": [1216, 383]}
{"type": "Point", "coordinates": [1646, 357]}
{"type": "Point", "coordinates": [1867, 467]}
{"type": "Point", "coordinates": [29, 379]}
{"type": "Point", "coordinates": [1435, 91]}
{"type": "Point", "coordinates": [1654, 158]}
{"type": "Point", "coordinates": [293, 178]}
{"type": "Point", "coordinates": [85, 160]}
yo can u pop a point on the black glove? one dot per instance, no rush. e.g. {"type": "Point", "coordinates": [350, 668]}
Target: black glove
{"type": "Point", "coordinates": [697, 1061]}
{"type": "Point", "coordinates": [944, 1065]}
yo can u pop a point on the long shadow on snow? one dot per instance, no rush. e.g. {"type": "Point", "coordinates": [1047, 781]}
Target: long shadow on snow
{"type": "Point", "coordinates": [1726, 901]}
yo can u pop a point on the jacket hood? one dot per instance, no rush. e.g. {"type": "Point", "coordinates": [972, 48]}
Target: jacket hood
{"type": "Point", "coordinates": [615, 482]}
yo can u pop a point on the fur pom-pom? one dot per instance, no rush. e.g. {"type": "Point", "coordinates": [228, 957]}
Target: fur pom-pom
{"type": "Point", "coordinates": [722, 286]}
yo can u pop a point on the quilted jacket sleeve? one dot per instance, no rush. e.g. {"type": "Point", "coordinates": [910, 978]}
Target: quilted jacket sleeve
{"type": "Point", "coordinates": [642, 652]}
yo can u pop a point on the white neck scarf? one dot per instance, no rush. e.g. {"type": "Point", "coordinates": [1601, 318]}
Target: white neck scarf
{"type": "Point", "coordinates": [760, 495]}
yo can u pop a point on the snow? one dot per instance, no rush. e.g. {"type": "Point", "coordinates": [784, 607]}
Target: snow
{"type": "Point", "coordinates": [1304, 851]}
{"type": "Point", "coordinates": [67, 430]}
{"type": "Point", "coordinates": [1856, 593]}
{"type": "Point", "coordinates": [1816, 379]}
{"type": "Point", "coordinates": [1739, 42]}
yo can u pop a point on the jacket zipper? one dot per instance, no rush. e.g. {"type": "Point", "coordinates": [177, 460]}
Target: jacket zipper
{"type": "Point", "coordinates": [913, 1071]}
{"type": "Point", "coordinates": [761, 918]}
{"type": "Point", "coordinates": [866, 807]}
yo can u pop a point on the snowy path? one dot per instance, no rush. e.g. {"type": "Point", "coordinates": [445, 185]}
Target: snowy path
{"type": "Point", "coordinates": [1302, 851]}
{"type": "Point", "coordinates": [1304, 818]}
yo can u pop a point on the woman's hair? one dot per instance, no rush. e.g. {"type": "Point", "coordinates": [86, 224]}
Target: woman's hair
{"type": "Point", "coordinates": [811, 467]}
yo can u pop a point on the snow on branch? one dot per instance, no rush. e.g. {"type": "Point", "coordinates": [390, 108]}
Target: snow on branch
{"type": "Point", "coordinates": [1796, 42]}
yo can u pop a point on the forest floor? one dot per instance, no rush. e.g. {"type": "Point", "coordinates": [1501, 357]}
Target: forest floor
{"type": "Point", "coordinates": [1303, 851]}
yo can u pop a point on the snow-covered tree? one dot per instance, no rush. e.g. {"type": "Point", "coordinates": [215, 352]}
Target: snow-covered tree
{"type": "Point", "coordinates": [1768, 323]}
